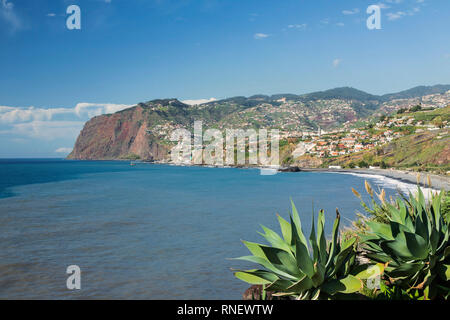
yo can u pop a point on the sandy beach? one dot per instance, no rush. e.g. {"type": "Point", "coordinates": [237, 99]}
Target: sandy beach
{"type": "Point", "coordinates": [438, 182]}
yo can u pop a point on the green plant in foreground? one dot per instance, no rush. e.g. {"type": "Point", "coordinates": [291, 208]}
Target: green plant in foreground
{"type": "Point", "coordinates": [291, 268]}
{"type": "Point", "coordinates": [415, 244]}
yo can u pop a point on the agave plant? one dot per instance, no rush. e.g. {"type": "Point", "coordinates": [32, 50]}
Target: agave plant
{"type": "Point", "coordinates": [291, 267]}
{"type": "Point", "coordinates": [415, 245]}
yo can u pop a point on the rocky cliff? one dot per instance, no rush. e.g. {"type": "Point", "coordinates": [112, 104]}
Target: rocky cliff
{"type": "Point", "coordinates": [123, 135]}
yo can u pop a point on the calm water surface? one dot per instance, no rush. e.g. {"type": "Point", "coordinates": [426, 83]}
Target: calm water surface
{"type": "Point", "coordinates": [147, 231]}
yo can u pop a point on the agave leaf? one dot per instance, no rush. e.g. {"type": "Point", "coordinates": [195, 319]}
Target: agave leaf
{"type": "Point", "coordinates": [255, 249]}
{"type": "Point", "coordinates": [256, 276]}
{"type": "Point", "coordinates": [372, 246]}
{"type": "Point", "coordinates": [380, 229]}
{"type": "Point", "coordinates": [266, 264]}
{"type": "Point", "coordinates": [348, 264]}
{"type": "Point", "coordinates": [408, 246]}
{"type": "Point", "coordinates": [396, 228]}
{"type": "Point", "coordinates": [280, 285]}
{"type": "Point", "coordinates": [421, 229]}
{"type": "Point", "coordinates": [275, 240]}
{"type": "Point", "coordinates": [406, 270]}
{"type": "Point", "coordinates": [406, 217]}
{"type": "Point", "coordinates": [368, 237]}
{"type": "Point", "coordinates": [283, 294]}
{"type": "Point", "coordinates": [395, 213]}
{"type": "Point", "coordinates": [444, 241]}
{"type": "Point", "coordinates": [298, 224]}
{"type": "Point", "coordinates": [321, 240]}
{"type": "Point", "coordinates": [403, 213]}
{"type": "Point", "coordinates": [343, 256]}
{"type": "Point", "coordinates": [313, 241]}
{"type": "Point", "coordinates": [420, 198]}
{"type": "Point", "coordinates": [348, 284]}
{"type": "Point", "coordinates": [444, 271]}
{"type": "Point", "coordinates": [334, 240]}
{"type": "Point", "coordinates": [436, 210]}
{"type": "Point", "coordinates": [434, 240]}
{"type": "Point", "coordinates": [285, 230]}
{"type": "Point", "coordinates": [380, 257]}
{"type": "Point", "coordinates": [319, 274]}
{"type": "Point", "coordinates": [304, 284]}
{"type": "Point", "coordinates": [282, 260]}
{"type": "Point", "coordinates": [316, 294]}
{"type": "Point", "coordinates": [371, 272]}
{"type": "Point", "coordinates": [303, 259]}
{"type": "Point", "coordinates": [447, 252]}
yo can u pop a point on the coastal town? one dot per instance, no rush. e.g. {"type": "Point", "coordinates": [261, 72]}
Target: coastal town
{"type": "Point", "coordinates": [345, 141]}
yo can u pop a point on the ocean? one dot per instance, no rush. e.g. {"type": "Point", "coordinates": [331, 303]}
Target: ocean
{"type": "Point", "coordinates": [148, 231]}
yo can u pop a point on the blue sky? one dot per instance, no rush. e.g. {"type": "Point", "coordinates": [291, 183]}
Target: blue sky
{"type": "Point", "coordinates": [53, 79]}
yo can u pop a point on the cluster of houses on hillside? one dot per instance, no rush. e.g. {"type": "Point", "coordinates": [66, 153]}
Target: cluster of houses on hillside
{"type": "Point", "coordinates": [337, 143]}
{"type": "Point", "coordinates": [345, 141]}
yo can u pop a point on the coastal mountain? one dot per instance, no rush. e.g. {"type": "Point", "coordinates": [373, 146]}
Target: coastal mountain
{"type": "Point", "coordinates": [416, 92]}
{"type": "Point", "coordinates": [143, 131]}
{"type": "Point", "coordinates": [118, 136]}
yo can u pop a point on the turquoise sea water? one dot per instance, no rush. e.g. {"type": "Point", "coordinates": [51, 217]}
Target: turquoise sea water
{"type": "Point", "coordinates": [145, 231]}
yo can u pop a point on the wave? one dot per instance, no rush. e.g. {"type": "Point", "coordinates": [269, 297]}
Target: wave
{"type": "Point", "coordinates": [388, 182]}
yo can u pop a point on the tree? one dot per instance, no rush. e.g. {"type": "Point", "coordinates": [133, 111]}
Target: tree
{"type": "Point", "coordinates": [416, 108]}
{"type": "Point", "coordinates": [363, 164]}
{"type": "Point", "coordinates": [438, 122]}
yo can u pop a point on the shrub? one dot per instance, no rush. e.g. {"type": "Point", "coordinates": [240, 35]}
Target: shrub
{"type": "Point", "coordinates": [290, 269]}
{"type": "Point", "coordinates": [363, 164]}
{"type": "Point", "coordinates": [413, 240]}
{"type": "Point", "coordinates": [416, 108]}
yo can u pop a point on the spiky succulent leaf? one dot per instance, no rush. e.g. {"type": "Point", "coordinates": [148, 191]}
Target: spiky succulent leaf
{"type": "Point", "coordinates": [256, 276]}
{"type": "Point", "coordinates": [349, 284]}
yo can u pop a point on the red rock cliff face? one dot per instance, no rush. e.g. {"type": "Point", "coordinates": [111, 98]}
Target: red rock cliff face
{"type": "Point", "coordinates": [117, 136]}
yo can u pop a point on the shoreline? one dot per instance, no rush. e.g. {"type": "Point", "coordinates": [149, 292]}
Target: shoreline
{"type": "Point", "coordinates": [438, 182]}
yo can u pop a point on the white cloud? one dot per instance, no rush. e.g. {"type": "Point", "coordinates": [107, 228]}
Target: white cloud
{"type": "Point", "coordinates": [64, 150]}
{"type": "Point", "coordinates": [349, 12]}
{"type": "Point", "coordinates": [297, 26]}
{"type": "Point", "coordinates": [260, 36]}
{"type": "Point", "coordinates": [52, 123]}
{"type": "Point", "coordinates": [96, 109]}
{"type": "Point", "coordinates": [8, 14]}
{"type": "Point", "coordinates": [82, 111]}
{"type": "Point", "coordinates": [399, 14]}
{"type": "Point", "coordinates": [383, 5]}
{"type": "Point", "coordinates": [336, 62]}
{"type": "Point", "coordinates": [46, 130]}
{"type": "Point", "coordinates": [13, 114]}
{"type": "Point", "coordinates": [199, 101]}
{"type": "Point", "coordinates": [395, 15]}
